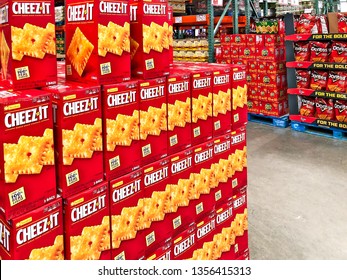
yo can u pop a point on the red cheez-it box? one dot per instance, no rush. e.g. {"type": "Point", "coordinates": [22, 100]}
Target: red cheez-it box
{"type": "Point", "coordinates": [97, 41]}
{"type": "Point", "coordinates": [240, 224]}
{"type": "Point", "coordinates": [153, 119]}
{"type": "Point", "coordinates": [151, 38]}
{"type": "Point", "coordinates": [28, 50]}
{"type": "Point", "coordinates": [126, 210]}
{"type": "Point", "coordinates": [27, 165]}
{"type": "Point", "coordinates": [161, 252]}
{"type": "Point", "coordinates": [204, 179]}
{"type": "Point", "coordinates": [158, 200]}
{"type": "Point", "coordinates": [239, 96]}
{"type": "Point", "coordinates": [35, 235]}
{"type": "Point", "coordinates": [205, 230]}
{"type": "Point", "coordinates": [221, 168]}
{"type": "Point", "coordinates": [184, 243]}
{"type": "Point", "coordinates": [179, 112]}
{"type": "Point", "coordinates": [238, 158]}
{"type": "Point", "coordinates": [121, 120]}
{"type": "Point", "coordinates": [87, 224]}
{"type": "Point", "coordinates": [78, 135]}
{"type": "Point", "coordinates": [182, 208]}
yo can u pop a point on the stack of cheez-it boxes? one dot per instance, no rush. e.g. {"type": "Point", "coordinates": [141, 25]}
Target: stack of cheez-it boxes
{"type": "Point", "coordinates": [124, 155]}
{"type": "Point", "coordinates": [31, 213]}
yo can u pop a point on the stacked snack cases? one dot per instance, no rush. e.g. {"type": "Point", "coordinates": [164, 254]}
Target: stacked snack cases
{"type": "Point", "coordinates": [149, 166]}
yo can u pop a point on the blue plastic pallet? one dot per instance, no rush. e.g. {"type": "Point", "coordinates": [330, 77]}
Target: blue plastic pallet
{"type": "Point", "coordinates": [282, 122]}
{"type": "Point", "coordinates": [319, 130]}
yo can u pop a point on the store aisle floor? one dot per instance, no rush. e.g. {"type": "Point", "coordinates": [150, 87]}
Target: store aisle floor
{"type": "Point", "coordinates": [297, 195]}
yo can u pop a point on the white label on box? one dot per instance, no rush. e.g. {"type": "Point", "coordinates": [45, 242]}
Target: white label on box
{"type": "Point", "coordinates": [72, 178]}
{"type": "Point", "coordinates": [17, 196]}
{"type": "Point", "coordinates": [22, 73]}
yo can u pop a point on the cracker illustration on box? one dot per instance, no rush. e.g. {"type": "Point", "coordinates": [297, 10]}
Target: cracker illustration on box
{"type": "Point", "coordinates": [28, 156]}
{"type": "Point", "coordinates": [79, 51]}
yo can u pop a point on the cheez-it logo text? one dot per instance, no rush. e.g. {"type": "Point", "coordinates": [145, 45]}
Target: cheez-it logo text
{"type": "Point", "coordinates": [80, 106]}
{"type": "Point", "coordinates": [4, 236]}
{"type": "Point", "coordinates": [82, 12]}
{"type": "Point", "coordinates": [26, 117]}
{"type": "Point", "coordinates": [31, 8]}
{"type": "Point", "coordinates": [89, 208]}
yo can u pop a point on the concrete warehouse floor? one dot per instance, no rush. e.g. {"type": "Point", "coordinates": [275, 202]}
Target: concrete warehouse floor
{"type": "Point", "coordinates": [297, 195]}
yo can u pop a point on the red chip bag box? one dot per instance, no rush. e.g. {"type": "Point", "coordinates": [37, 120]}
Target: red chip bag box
{"type": "Point", "coordinates": [319, 80]}
{"type": "Point", "coordinates": [179, 111]}
{"type": "Point", "coordinates": [27, 165]}
{"type": "Point", "coordinates": [307, 24]}
{"type": "Point", "coordinates": [35, 235]}
{"type": "Point", "coordinates": [325, 109]}
{"type": "Point", "coordinates": [27, 44]}
{"type": "Point", "coordinates": [340, 108]}
{"type": "Point", "coordinates": [153, 119]}
{"type": "Point", "coordinates": [239, 96]}
{"type": "Point", "coordinates": [121, 118]}
{"type": "Point", "coordinates": [97, 41]}
{"type": "Point", "coordinates": [303, 78]}
{"type": "Point", "coordinates": [87, 224]}
{"type": "Point", "coordinates": [319, 51]}
{"type": "Point", "coordinates": [341, 23]}
{"type": "Point", "coordinates": [126, 203]}
{"type": "Point", "coordinates": [78, 135]}
{"type": "Point", "coordinates": [302, 51]}
{"type": "Point", "coordinates": [338, 52]}
{"type": "Point", "coordinates": [307, 107]}
{"type": "Point", "coordinates": [151, 38]}
{"type": "Point", "coordinates": [337, 81]}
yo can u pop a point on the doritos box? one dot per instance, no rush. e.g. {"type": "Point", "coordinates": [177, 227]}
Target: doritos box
{"type": "Point", "coordinates": [87, 224]}
{"type": "Point", "coordinates": [35, 235]}
{"type": "Point", "coordinates": [27, 44]}
{"type": "Point", "coordinates": [158, 200]}
{"type": "Point", "coordinates": [78, 136]}
{"type": "Point", "coordinates": [184, 243]}
{"type": "Point", "coordinates": [27, 165]}
{"type": "Point", "coordinates": [239, 97]}
{"type": "Point", "coordinates": [340, 108]}
{"type": "Point", "coordinates": [97, 41]}
{"type": "Point", "coordinates": [225, 235]}
{"type": "Point", "coordinates": [205, 182]}
{"type": "Point", "coordinates": [126, 195]}
{"type": "Point", "coordinates": [151, 38]}
{"type": "Point", "coordinates": [179, 111]}
{"type": "Point", "coordinates": [121, 118]}
{"type": "Point", "coordinates": [182, 210]}
{"type": "Point", "coordinates": [238, 158]}
{"type": "Point", "coordinates": [205, 247]}
{"type": "Point", "coordinates": [253, 106]}
{"type": "Point", "coordinates": [153, 119]}
{"type": "Point", "coordinates": [221, 167]}
{"type": "Point", "coordinates": [163, 251]}
{"type": "Point", "coordinates": [221, 99]}
{"type": "Point", "coordinates": [337, 81]}
{"type": "Point", "coordinates": [240, 223]}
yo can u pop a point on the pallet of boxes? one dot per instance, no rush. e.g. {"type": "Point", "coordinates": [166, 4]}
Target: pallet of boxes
{"type": "Point", "coordinates": [119, 155]}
